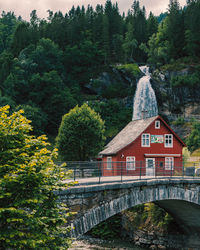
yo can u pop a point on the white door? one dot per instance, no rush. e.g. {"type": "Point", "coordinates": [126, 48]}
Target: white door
{"type": "Point", "coordinates": [150, 167]}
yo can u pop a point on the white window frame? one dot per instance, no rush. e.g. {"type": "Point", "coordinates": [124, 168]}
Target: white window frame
{"type": "Point", "coordinates": [169, 163]}
{"type": "Point", "coordinates": [144, 137]}
{"type": "Point", "coordinates": [130, 162]}
{"type": "Point", "coordinates": [167, 145]}
{"type": "Point", "coordinates": [109, 162]}
{"type": "Point", "coordinates": [157, 124]}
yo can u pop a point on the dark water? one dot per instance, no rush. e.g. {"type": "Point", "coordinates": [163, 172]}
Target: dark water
{"type": "Point", "coordinates": [86, 243]}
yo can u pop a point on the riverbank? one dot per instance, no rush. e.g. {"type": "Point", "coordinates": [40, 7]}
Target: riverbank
{"type": "Point", "coordinates": [88, 243]}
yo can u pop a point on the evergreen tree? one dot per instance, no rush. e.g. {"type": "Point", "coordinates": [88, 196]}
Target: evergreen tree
{"type": "Point", "coordinates": [175, 30]}
{"type": "Point", "coordinates": [192, 28]}
{"type": "Point", "coordinates": [8, 23]}
{"type": "Point", "coordinates": [152, 25]}
{"type": "Point", "coordinates": [21, 38]}
{"type": "Point", "coordinates": [130, 44]}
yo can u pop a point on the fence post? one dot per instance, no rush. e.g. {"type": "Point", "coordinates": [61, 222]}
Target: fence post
{"type": "Point", "coordinates": [121, 171]}
{"type": "Point", "coordinates": [194, 170]}
{"type": "Point", "coordinates": [99, 168]}
{"type": "Point", "coordinates": [75, 173]}
{"type": "Point", "coordinates": [155, 167]}
{"type": "Point", "coordinates": [171, 170]}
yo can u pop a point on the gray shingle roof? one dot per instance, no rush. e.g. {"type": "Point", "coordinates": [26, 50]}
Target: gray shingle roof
{"type": "Point", "coordinates": [127, 135]}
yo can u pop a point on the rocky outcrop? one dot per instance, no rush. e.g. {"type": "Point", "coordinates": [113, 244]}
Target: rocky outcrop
{"type": "Point", "coordinates": [113, 79]}
{"type": "Point", "coordinates": [153, 240]}
{"type": "Point", "coordinates": [183, 100]}
{"type": "Point", "coordinates": [120, 84]}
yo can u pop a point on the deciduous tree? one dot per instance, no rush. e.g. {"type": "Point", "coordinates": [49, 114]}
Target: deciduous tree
{"type": "Point", "coordinates": [81, 134]}
{"type": "Point", "coordinates": [30, 216]}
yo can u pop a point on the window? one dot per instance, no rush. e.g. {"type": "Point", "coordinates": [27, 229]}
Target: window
{"type": "Point", "coordinates": [169, 141]}
{"type": "Point", "coordinates": [169, 163]}
{"type": "Point", "coordinates": [157, 124]}
{"type": "Point", "coordinates": [145, 140]}
{"type": "Point", "coordinates": [109, 162]}
{"type": "Point", "coordinates": [130, 162]}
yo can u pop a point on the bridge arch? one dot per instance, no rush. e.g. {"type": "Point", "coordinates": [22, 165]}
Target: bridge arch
{"type": "Point", "coordinates": [119, 197]}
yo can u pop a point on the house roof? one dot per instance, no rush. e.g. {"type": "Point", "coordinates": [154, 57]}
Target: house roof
{"type": "Point", "coordinates": [128, 134]}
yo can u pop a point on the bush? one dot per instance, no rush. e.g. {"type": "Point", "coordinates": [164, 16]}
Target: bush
{"type": "Point", "coordinates": [191, 80]}
{"type": "Point", "coordinates": [179, 122]}
{"type": "Point", "coordinates": [193, 140]}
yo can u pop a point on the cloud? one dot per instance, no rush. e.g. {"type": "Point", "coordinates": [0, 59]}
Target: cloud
{"type": "Point", "coordinates": [158, 6]}
{"type": "Point", "coordinates": [24, 7]}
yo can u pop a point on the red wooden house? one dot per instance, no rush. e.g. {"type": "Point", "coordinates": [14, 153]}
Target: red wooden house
{"type": "Point", "coordinates": [144, 147]}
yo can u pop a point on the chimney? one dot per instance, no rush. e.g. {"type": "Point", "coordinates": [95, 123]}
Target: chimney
{"type": "Point", "coordinates": [144, 114]}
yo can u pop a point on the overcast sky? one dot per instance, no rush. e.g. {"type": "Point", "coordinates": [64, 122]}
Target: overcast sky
{"type": "Point", "coordinates": [24, 7]}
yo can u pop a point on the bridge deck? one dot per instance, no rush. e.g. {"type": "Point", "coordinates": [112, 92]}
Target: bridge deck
{"type": "Point", "coordinates": [117, 179]}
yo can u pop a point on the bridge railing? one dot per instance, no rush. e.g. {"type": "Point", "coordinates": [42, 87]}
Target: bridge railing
{"type": "Point", "coordinates": [101, 171]}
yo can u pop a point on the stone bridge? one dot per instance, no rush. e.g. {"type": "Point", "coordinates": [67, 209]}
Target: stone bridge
{"type": "Point", "coordinates": [96, 203]}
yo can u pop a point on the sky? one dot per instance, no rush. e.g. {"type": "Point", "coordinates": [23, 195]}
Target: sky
{"type": "Point", "coordinates": [24, 7]}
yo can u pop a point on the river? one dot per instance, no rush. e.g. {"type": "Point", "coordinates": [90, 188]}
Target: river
{"type": "Point", "coordinates": [87, 242]}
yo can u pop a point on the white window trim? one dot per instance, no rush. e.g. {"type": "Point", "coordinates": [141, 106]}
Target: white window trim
{"type": "Point", "coordinates": [109, 162]}
{"type": "Point", "coordinates": [167, 161]}
{"type": "Point", "coordinates": [145, 140]}
{"type": "Point", "coordinates": [171, 145]}
{"type": "Point", "coordinates": [157, 124]}
{"type": "Point", "coordinates": [130, 162]}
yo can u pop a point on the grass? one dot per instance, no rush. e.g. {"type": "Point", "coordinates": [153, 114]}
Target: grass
{"type": "Point", "coordinates": [133, 69]}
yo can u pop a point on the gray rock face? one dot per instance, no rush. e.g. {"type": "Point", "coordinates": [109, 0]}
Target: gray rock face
{"type": "Point", "coordinates": [111, 79]}
{"type": "Point", "coordinates": [183, 99]}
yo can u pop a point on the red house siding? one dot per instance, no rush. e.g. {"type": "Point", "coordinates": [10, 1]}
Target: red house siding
{"type": "Point", "coordinates": [158, 149]}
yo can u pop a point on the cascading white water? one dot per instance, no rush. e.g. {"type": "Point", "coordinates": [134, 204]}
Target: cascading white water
{"type": "Point", "coordinates": [145, 98]}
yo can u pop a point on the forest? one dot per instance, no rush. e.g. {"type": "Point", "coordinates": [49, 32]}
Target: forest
{"type": "Point", "coordinates": [46, 64]}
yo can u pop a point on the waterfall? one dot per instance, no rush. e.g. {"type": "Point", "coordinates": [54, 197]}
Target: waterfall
{"type": "Point", "coordinates": [145, 98]}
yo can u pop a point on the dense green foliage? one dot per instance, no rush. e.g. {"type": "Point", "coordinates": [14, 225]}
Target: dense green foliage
{"type": "Point", "coordinates": [193, 140]}
{"type": "Point", "coordinates": [30, 216]}
{"type": "Point", "coordinates": [81, 134]}
{"type": "Point", "coordinates": [109, 229]}
{"type": "Point", "coordinates": [178, 34]}
{"type": "Point", "coordinates": [48, 64]}
{"type": "Point", "coordinates": [150, 216]}
{"type": "Point", "coordinates": [114, 114]}
{"type": "Point", "coordinates": [190, 80]}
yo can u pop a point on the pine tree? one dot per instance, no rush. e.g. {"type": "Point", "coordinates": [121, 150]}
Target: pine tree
{"type": "Point", "coordinates": [192, 28]}
{"type": "Point", "coordinates": [175, 30]}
